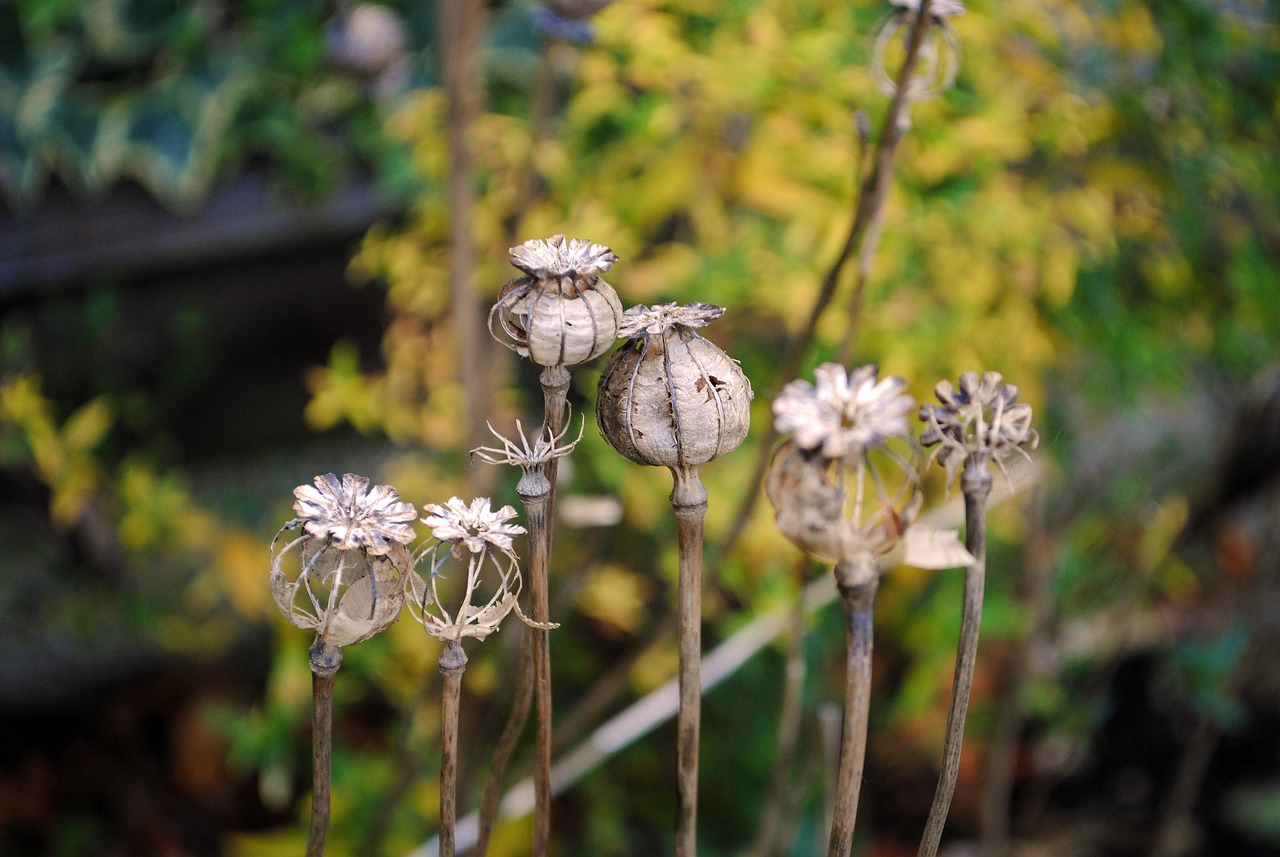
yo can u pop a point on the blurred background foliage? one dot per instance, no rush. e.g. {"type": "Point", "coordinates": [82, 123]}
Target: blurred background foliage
{"type": "Point", "coordinates": [1091, 210]}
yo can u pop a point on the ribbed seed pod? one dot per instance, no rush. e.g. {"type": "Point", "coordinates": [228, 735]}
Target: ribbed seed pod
{"type": "Point", "coordinates": [560, 313]}
{"type": "Point", "coordinates": [668, 397]}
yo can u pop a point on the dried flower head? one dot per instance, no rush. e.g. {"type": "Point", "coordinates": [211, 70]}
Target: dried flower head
{"type": "Point", "coordinates": [843, 414]}
{"type": "Point", "coordinates": [669, 397]}
{"type": "Point", "coordinates": [982, 420]}
{"type": "Point", "coordinates": [531, 458]}
{"type": "Point", "coordinates": [654, 321]}
{"type": "Point", "coordinates": [560, 312]}
{"type": "Point", "coordinates": [350, 513]}
{"type": "Point", "coordinates": [343, 577]}
{"type": "Point", "coordinates": [938, 8]}
{"type": "Point", "coordinates": [525, 455]}
{"type": "Point", "coordinates": [938, 59]}
{"type": "Point", "coordinates": [841, 509]}
{"type": "Point", "coordinates": [490, 588]}
{"type": "Point", "coordinates": [472, 527]}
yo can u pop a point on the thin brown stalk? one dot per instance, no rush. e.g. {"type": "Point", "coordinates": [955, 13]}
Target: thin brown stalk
{"type": "Point", "coordinates": [325, 660]}
{"type": "Point", "coordinates": [976, 485]}
{"type": "Point", "coordinates": [505, 747]}
{"type": "Point", "coordinates": [689, 503]}
{"type": "Point", "coordinates": [536, 496]}
{"type": "Point", "coordinates": [867, 205]}
{"type": "Point", "coordinates": [859, 604]}
{"type": "Point", "coordinates": [461, 31]}
{"type": "Point", "coordinates": [789, 720]}
{"type": "Point", "coordinates": [453, 662]}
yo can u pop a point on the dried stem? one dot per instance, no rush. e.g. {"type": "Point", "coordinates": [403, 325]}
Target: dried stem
{"type": "Point", "coordinates": [689, 503]}
{"type": "Point", "coordinates": [453, 662]}
{"type": "Point", "coordinates": [325, 660]}
{"type": "Point", "coordinates": [859, 604]}
{"type": "Point", "coordinates": [789, 721]}
{"type": "Point", "coordinates": [461, 30]}
{"type": "Point", "coordinates": [506, 746]}
{"type": "Point", "coordinates": [535, 494]}
{"type": "Point", "coordinates": [976, 485]}
{"type": "Point", "coordinates": [866, 212]}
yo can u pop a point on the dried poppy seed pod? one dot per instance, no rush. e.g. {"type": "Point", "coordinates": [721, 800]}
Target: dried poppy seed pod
{"type": "Point", "coordinates": [829, 496]}
{"type": "Point", "coordinates": [668, 397]}
{"type": "Point", "coordinates": [560, 313]}
{"type": "Point", "coordinates": [350, 561]}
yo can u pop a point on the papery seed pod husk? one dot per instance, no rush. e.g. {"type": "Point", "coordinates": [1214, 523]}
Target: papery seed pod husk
{"type": "Point", "coordinates": [561, 312]}
{"type": "Point", "coordinates": [673, 399]}
{"type": "Point", "coordinates": [369, 598]}
{"type": "Point", "coordinates": [811, 509]}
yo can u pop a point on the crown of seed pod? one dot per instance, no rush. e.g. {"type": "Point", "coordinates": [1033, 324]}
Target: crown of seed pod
{"type": "Point", "coordinates": [817, 482]}
{"type": "Point", "coordinates": [346, 577]}
{"type": "Point", "coordinates": [669, 397]}
{"type": "Point", "coordinates": [560, 312]}
{"type": "Point", "coordinates": [983, 419]}
{"type": "Point", "coordinates": [480, 536]}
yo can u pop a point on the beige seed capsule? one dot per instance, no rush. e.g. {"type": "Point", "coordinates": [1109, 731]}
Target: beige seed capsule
{"type": "Point", "coordinates": [560, 313]}
{"type": "Point", "coordinates": [668, 397]}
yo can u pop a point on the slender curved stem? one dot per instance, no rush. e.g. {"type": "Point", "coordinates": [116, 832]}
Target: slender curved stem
{"type": "Point", "coordinates": [453, 663]}
{"type": "Point", "coordinates": [976, 484]}
{"type": "Point", "coordinates": [689, 503]}
{"type": "Point", "coordinates": [325, 660]}
{"type": "Point", "coordinates": [859, 604]}
{"type": "Point", "coordinates": [536, 506]}
{"type": "Point", "coordinates": [506, 746]}
{"type": "Point", "coordinates": [870, 198]}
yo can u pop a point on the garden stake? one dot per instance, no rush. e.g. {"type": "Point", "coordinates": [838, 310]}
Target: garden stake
{"type": "Point", "coordinates": [979, 423]}
{"type": "Point", "coordinates": [670, 398]}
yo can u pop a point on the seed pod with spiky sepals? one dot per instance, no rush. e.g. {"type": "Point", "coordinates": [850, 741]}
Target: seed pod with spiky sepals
{"type": "Point", "coordinates": [560, 313]}
{"type": "Point", "coordinates": [669, 397]}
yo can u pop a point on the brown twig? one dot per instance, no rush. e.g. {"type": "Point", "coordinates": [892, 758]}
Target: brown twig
{"type": "Point", "coordinates": [689, 503]}
{"type": "Point", "coordinates": [866, 211]}
{"type": "Point", "coordinates": [859, 604]}
{"type": "Point", "coordinates": [976, 485]}
{"type": "Point", "coordinates": [453, 662]}
{"type": "Point", "coordinates": [461, 31]}
{"type": "Point", "coordinates": [505, 747]}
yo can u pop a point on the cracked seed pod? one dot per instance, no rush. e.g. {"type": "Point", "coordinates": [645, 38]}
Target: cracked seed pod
{"type": "Point", "coordinates": [560, 312]}
{"type": "Point", "coordinates": [668, 397]}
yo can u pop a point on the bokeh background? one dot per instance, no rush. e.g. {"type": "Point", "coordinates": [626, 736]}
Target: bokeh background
{"type": "Point", "coordinates": [230, 260]}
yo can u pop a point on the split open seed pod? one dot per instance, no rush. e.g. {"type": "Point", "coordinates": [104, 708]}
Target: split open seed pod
{"type": "Point", "coordinates": [668, 397]}
{"type": "Point", "coordinates": [560, 312]}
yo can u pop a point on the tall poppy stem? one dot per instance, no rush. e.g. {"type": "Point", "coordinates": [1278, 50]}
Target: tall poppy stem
{"type": "Point", "coordinates": [689, 503]}
{"type": "Point", "coordinates": [453, 663]}
{"type": "Point", "coordinates": [325, 660]}
{"type": "Point", "coordinates": [858, 600]}
{"type": "Point", "coordinates": [975, 482]}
